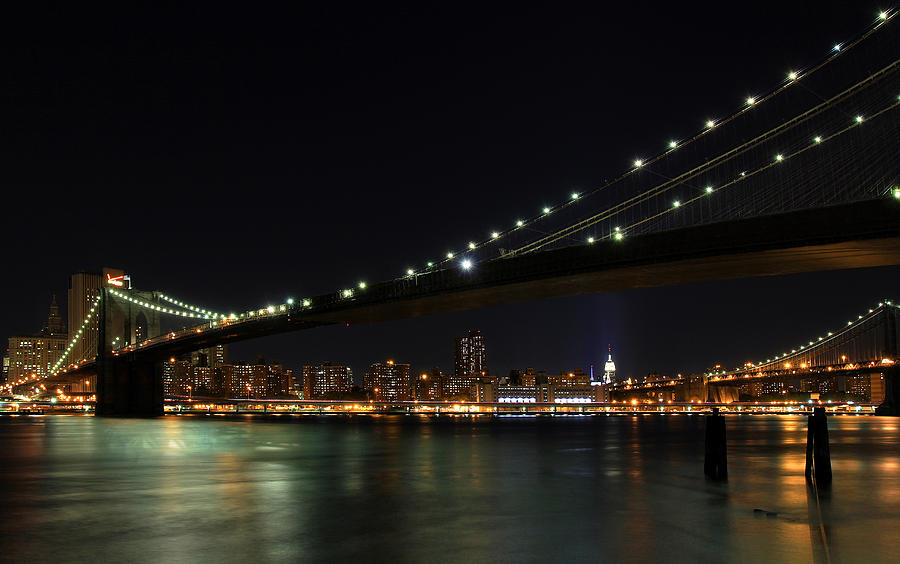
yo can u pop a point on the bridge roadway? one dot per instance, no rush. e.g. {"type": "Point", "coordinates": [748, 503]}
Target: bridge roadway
{"type": "Point", "coordinates": [857, 235]}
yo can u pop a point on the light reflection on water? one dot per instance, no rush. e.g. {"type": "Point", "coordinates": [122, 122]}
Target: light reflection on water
{"type": "Point", "coordinates": [413, 489]}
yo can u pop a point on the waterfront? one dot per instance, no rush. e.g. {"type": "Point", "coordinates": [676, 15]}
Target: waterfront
{"type": "Point", "coordinates": [395, 488]}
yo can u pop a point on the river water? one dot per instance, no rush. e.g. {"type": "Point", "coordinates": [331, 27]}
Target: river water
{"type": "Point", "coordinates": [404, 489]}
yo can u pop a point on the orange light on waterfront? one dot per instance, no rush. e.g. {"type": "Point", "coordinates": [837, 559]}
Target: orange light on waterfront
{"type": "Point", "coordinates": [787, 364]}
{"type": "Point", "coordinates": [803, 365]}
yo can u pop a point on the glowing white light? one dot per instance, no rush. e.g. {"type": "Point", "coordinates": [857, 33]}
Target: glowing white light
{"type": "Point", "coordinates": [859, 119]}
{"type": "Point", "coordinates": [472, 245]}
{"type": "Point", "coordinates": [449, 255]}
{"type": "Point", "coordinates": [290, 301]}
{"type": "Point", "coordinates": [709, 189]}
{"type": "Point", "coordinates": [619, 236]}
{"type": "Point", "coordinates": [710, 124]}
{"type": "Point", "coordinates": [494, 235]}
{"type": "Point", "coordinates": [676, 203]}
{"type": "Point", "coordinates": [779, 157]}
{"type": "Point", "coordinates": [466, 264]}
{"type": "Point", "coordinates": [837, 47]}
{"type": "Point", "coordinates": [410, 272]}
{"type": "Point", "coordinates": [430, 264]}
{"type": "Point", "coordinates": [362, 285]}
{"type": "Point", "coordinates": [817, 139]}
{"type": "Point", "coordinates": [590, 239]}
{"type": "Point", "coordinates": [638, 162]}
{"type": "Point", "coordinates": [546, 210]}
{"type": "Point", "coordinates": [896, 195]}
{"type": "Point", "coordinates": [575, 195]}
{"type": "Point", "coordinates": [520, 223]}
{"type": "Point", "coordinates": [882, 15]}
{"type": "Point", "coordinates": [673, 144]}
{"type": "Point", "coordinates": [306, 303]}
{"type": "Point", "coordinates": [271, 309]}
{"type": "Point", "coordinates": [751, 100]}
{"type": "Point", "coordinates": [792, 75]}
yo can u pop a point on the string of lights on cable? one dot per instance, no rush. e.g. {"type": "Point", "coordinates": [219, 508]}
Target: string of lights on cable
{"type": "Point", "coordinates": [751, 102]}
{"type": "Point", "coordinates": [161, 309]}
{"type": "Point", "coordinates": [78, 335]}
{"type": "Point", "coordinates": [195, 309]}
{"type": "Point", "coordinates": [822, 339]}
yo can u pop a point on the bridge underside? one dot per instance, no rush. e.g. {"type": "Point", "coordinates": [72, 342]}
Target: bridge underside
{"type": "Point", "coordinates": [859, 235]}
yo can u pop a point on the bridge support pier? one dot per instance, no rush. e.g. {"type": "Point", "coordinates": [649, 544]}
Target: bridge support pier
{"type": "Point", "coordinates": [715, 465]}
{"type": "Point", "coordinates": [891, 404]}
{"type": "Point", "coordinates": [129, 389]}
{"type": "Point", "coordinates": [818, 455]}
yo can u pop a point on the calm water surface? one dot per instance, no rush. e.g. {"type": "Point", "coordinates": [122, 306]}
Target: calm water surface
{"type": "Point", "coordinates": [397, 489]}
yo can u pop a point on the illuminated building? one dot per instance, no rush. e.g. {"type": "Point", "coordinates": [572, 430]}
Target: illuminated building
{"type": "Point", "coordinates": [430, 385]}
{"type": "Point", "coordinates": [213, 357]}
{"type": "Point", "coordinates": [183, 378]}
{"type": "Point", "coordinates": [279, 381]}
{"type": "Point", "coordinates": [84, 287]}
{"type": "Point", "coordinates": [34, 355]}
{"type": "Point", "coordinates": [389, 381]}
{"type": "Point", "coordinates": [609, 369]}
{"type": "Point", "coordinates": [469, 367]}
{"type": "Point", "coordinates": [326, 380]}
{"type": "Point", "coordinates": [470, 358]}
{"type": "Point", "coordinates": [548, 393]}
{"type": "Point", "coordinates": [876, 388]}
{"type": "Point", "coordinates": [245, 381]}
{"type": "Point", "coordinates": [576, 378]}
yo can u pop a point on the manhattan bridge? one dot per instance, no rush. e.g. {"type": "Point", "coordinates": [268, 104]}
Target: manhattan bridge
{"type": "Point", "coordinates": [802, 176]}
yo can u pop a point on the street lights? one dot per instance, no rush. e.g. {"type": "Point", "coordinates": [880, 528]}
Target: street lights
{"type": "Point", "coordinates": [190, 393]}
{"type": "Point", "coordinates": [248, 391]}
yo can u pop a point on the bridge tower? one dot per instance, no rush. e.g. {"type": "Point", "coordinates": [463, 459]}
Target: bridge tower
{"type": "Point", "coordinates": [125, 386]}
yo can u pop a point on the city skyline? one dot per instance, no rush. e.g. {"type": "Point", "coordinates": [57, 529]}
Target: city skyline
{"type": "Point", "coordinates": [280, 194]}
{"type": "Point", "coordinates": [406, 339]}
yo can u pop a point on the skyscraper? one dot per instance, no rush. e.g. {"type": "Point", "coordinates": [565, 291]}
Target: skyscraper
{"type": "Point", "coordinates": [470, 364]}
{"type": "Point", "coordinates": [84, 287]}
{"type": "Point", "coordinates": [470, 359]}
{"type": "Point", "coordinates": [609, 369]}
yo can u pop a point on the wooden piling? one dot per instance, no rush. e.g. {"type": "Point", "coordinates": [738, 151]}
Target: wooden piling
{"type": "Point", "coordinates": [715, 464]}
{"type": "Point", "coordinates": [818, 454]}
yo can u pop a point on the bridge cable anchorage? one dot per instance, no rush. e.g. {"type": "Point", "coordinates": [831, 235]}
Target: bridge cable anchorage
{"type": "Point", "coordinates": [712, 163]}
{"type": "Point", "coordinates": [750, 103]}
{"type": "Point", "coordinates": [85, 326]}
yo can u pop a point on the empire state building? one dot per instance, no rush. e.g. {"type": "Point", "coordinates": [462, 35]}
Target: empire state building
{"type": "Point", "coordinates": [609, 369]}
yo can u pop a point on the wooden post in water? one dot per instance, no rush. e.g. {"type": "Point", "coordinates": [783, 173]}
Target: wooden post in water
{"type": "Point", "coordinates": [818, 455]}
{"type": "Point", "coordinates": [715, 465]}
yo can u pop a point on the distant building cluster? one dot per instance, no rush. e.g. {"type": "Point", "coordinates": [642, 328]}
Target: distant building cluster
{"type": "Point", "coordinates": [470, 380]}
{"type": "Point", "coordinates": [33, 355]}
{"type": "Point", "coordinates": [207, 373]}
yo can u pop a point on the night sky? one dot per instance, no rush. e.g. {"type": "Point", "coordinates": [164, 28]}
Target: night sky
{"type": "Point", "coordinates": [235, 159]}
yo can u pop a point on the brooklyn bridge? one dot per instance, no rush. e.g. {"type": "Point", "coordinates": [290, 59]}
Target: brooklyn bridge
{"type": "Point", "coordinates": [800, 178]}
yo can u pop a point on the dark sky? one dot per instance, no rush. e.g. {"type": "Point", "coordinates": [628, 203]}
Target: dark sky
{"type": "Point", "coordinates": [233, 159]}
